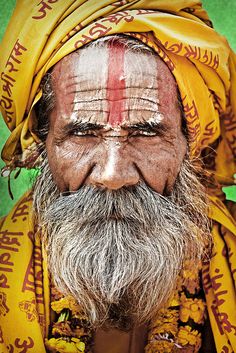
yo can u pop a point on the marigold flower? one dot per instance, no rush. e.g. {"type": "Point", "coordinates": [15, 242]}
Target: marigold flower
{"type": "Point", "coordinates": [192, 309]}
{"type": "Point", "coordinates": [66, 303]}
{"type": "Point", "coordinates": [60, 345]}
{"type": "Point", "coordinates": [188, 336]}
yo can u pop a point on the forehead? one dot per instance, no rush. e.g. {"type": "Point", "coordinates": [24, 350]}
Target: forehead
{"type": "Point", "coordinates": [113, 84]}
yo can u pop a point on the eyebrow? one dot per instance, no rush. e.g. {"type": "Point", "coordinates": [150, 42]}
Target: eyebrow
{"type": "Point", "coordinates": [82, 126]}
{"type": "Point", "coordinates": [151, 126]}
{"type": "Point", "coordinates": [147, 126]}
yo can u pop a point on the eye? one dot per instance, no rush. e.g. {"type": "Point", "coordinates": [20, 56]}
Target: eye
{"type": "Point", "coordinates": [144, 133]}
{"type": "Point", "coordinates": [85, 133]}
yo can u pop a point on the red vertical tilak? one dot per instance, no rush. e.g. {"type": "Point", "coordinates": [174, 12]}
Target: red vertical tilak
{"type": "Point", "coordinates": [116, 84]}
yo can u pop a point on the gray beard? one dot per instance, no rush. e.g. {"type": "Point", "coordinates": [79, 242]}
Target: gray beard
{"type": "Point", "coordinates": [119, 253]}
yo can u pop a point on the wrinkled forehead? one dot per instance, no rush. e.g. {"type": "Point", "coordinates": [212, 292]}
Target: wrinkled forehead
{"type": "Point", "coordinates": [92, 65]}
{"type": "Point", "coordinates": [114, 80]}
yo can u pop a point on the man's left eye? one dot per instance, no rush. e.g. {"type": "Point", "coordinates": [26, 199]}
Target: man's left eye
{"type": "Point", "coordinates": [86, 133]}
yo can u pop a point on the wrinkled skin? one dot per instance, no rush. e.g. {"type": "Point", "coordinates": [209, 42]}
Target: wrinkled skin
{"type": "Point", "coordinates": [114, 92]}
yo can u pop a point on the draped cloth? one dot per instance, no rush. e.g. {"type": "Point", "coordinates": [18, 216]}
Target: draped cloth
{"type": "Point", "coordinates": [179, 31]}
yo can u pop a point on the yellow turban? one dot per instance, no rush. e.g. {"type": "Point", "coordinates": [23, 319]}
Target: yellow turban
{"type": "Point", "coordinates": [40, 33]}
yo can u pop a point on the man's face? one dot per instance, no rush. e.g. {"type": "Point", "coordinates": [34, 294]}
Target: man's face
{"type": "Point", "coordinates": [116, 121]}
{"type": "Point", "coordinates": [115, 196]}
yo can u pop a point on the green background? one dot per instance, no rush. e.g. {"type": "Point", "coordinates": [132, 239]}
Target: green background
{"type": "Point", "coordinates": [223, 15]}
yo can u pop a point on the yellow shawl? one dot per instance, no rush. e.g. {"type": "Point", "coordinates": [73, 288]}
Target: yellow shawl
{"type": "Point", "coordinates": [39, 35]}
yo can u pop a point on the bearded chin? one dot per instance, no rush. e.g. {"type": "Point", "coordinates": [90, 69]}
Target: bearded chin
{"type": "Point", "coordinates": [119, 253]}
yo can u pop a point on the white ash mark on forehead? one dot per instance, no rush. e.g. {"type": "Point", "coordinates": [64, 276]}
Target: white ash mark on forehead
{"type": "Point", "coordinates": [90, 87]}
{"type": "Point", "coordinates": [91, 70]}
{"type": "Point", "coordinates": [141, 71]}
{"type": "Point", "coordinates": [140, 67]}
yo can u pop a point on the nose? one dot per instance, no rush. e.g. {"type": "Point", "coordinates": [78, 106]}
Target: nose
{"type": "Point", "coordinates": [115, 170]}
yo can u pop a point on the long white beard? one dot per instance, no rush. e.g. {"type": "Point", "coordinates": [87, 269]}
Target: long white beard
{"type": "Point", "coordinates": [119, 252]}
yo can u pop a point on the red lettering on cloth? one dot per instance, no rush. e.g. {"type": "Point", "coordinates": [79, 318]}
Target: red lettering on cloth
{"type": "Point", "coordinates": [6, 103]}
{"type": "Point", "coordinates": [96, 31]}
{"type": "Point", "coordinates": [22, 209]}
{"type": "Point", "coordinates": [194, 132]}
{"type": "Point", "coordinates": [25, 345]}
{"type": "Point", "coordinates": [10, 348]}
{"type": "Point", "coordinates": [9, 241]}
{"type": "Point", "coordinates": [8, 81]}
{"type": "Point", "coordinates": [85, 39]}
{"type": "Point", "coordinates": [118, 17]}
{"type": "Point", "coordinates": [116, 84]}
{"type": "Point", "coordinates": [190, 111]}
{"type": "Point", "coordinates": [208, 132]}
{"type": "Point", "coordinates": [216, 62]}
{"type": "Point", "coordinates": [144, 12]}
{"type": "Point", "coordinates": [4, 259]}
{"type": "Point", "coordinates": [207, 58]}
{"type": "Point", "coordinates": [222, 320]}
{"type": "Point", "coordinates": [219, 301]}
{"type": "Point", "coordinates": [9, 238]}
{"type": "Point", "coordinates": [16, 51]}
{"type": "Point", "coordinates": [70, 34]}
{"type": "Point", "coordinates": [99, 30]}
{"type": "Point", "coordinates": [174, 48]}
{"type": "Point", "coordinates": [192, 52]}
{"type": "Point", "coordinates": [141, 36]}
{"type": "Point", "coordinates": [3, 281]}
{"type": "Point", "coordinates": [33, 283]}
{"type": "Point", "coordinates": [44, 9]}
{"type": "Point", "coordinates": [216, 285]}
{"type": "Point", "coordinates": [229, 120]}
{"type": "Point", "coordinates": [3, 304]}
{"type": "Point", "coordinates": [33, 276]}
{"type": "Point", "coordinates": [216, 101]}
{"type": "Point", "coordinates": [161, 51]}
{"type": "Point", "coordinates": [29, 308]}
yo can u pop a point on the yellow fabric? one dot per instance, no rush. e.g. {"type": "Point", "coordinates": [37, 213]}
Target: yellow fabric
{"type": "Point", "coordinates": [39, 35]}
{"type": "Point", "coordinates": [24, 286]}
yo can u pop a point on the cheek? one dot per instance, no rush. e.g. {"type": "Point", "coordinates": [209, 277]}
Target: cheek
{"type": "Point", "coordinates": [160, 166]}
{"type": "Point", "coordinates": [69, 164]}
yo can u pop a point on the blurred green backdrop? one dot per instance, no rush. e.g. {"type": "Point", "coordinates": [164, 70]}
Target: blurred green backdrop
{"type": "Point", "coordinates": [223, 15]}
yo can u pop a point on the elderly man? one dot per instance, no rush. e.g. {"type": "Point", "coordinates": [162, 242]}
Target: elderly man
{"type": "Point", "coordinates": [126, 108]}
